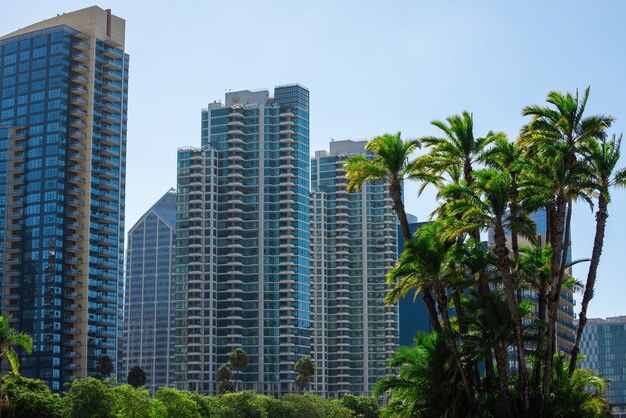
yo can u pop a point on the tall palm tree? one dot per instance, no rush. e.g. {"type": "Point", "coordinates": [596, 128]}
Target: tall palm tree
{"type": "Point", "coordinates": [602, 157]}
{"type": "Point", "coordinates": [305, 368]}
{"type": "Point", "coordinates": [456, 154]}
{"type": "Point", "coordinates": [421, 265]}
{"type": "Point", "coordinates": [8, 340]}
{"type": "Point", "coordinates": [480, 207]}
{"type": "Point", "coordinates": [389, 160]}
{"type": "Point", "coordinates": [555, 135]}
{"type": "Point", "coordinates": [238, 359]}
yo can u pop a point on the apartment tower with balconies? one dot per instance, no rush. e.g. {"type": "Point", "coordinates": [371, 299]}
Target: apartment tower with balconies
{"type": "Point", "coordinates": [353, 246]}
{"type": "Point", "coordinates": [243, 241]}
{"type": "Point", "coordinates": [63, 107]}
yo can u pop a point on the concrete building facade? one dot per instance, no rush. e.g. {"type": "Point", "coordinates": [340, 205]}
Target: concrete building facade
{"type": "Point", "coordinates": [243, 234]}
{"type": "Point", "coordinates": [353, 246]}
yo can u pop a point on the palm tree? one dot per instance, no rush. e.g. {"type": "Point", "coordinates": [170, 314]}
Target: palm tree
{"type": "Point", "coordinates": [8, 340]}
{"type": "Point", "coordinates": [553, 137]}
{"type": "Point", "coordinates": [305, 368]}
{"type": "Point", "coordinates": [224, 377]}
{"type": "Point", "coordinates": [482, 206]}
{"type": "Point", "coordinates": [238, 359]}
{"type": "Point", "coordinates": [423, 383]}
{"type": "Point", "coordinates": [136, 377]}
{"type": "Point", "coordinates": [602, 157]}
{"type": "Point", "coordinates": [581, 394]}
{"type": "Point", "coordinates": [104, 367]}
{"type": "Point", "coordinates": [490, 325]}
{"type": "Point", "coordinates": [458, 147]}
{"type": "Point", "coordinates": [389, 161]}
{"type": "Point", "coordinates": [420, 266]}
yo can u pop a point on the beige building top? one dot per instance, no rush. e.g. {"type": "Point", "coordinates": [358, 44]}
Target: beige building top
{"type": "Point", "coordinates": [92, 21]}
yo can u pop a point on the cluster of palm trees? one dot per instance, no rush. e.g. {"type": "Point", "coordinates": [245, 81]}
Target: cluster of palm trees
{"type": "Point", "coordinates": [490, 305]}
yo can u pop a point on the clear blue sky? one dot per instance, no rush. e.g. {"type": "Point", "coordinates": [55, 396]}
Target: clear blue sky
{"type": "Point", "coordinates": [371, 67]}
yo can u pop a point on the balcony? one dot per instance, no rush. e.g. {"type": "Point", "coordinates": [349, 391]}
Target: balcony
{"type": "Point", "coordinates": [80, 57]}
{"type": "Point", "coordinates": [80, 45]}
{"type": "Point", "coordinates": [79, 90]}
{"type": "Point", "coordinates": [80, 68]}
{"type": "Point", "coordinates": [112, 64]}
{"type": "Point", "coordinates": [80, 79]}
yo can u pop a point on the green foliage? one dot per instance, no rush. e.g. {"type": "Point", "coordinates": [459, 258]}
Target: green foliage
{"type": "Point", "coordinates": [178, 403]}
{"type": "Point", "coordinates": [312, 406]}
{"type": "Point", "coordinates": [305, 368]}
{"type": "Point", "coordinates": [137, 403]}
{"type": "Point", "coordinates": [425, 382]}
{"type": "Point", "coordinates": [244, 404]}
{"type": "Point", "coordinates": [582, 395]}
{"type": "Point", "coordinates": [209, 405]}
{"type": "Point", "coordinates": [27, 398]}
{"type": "Point", "coordinates": [238, 359]}
{"type": "Point", "coordinates": [8, 339]}
{"type": "Point", "coordinates": [90, 398]}
{"type": "Point", "coordinates": [363, 407]}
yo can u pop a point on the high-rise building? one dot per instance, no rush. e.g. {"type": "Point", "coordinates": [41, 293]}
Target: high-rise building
{"type": "Point", "coordinates": [243, 241]}
{"type": "Point", "coordinates": [604, 346]}
{"type": "Point", "coordinates": [353, 246]}
{"type": "Point", "coordinates": [62, 174]}
{"type": "Point", "coordinates": [149, 294]}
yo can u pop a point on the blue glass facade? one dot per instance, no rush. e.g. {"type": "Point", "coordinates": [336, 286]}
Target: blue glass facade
{"type": "Point", "coordinates": [149, 294]}
{"type": "Point", "coordinates": [604, 346]}
{"type": "Point", "coordinates": [64, 178]}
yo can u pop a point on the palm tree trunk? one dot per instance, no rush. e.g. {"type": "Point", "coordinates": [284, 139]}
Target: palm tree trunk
{"type": "Point", "coordinates": [429, 301]}
{"type": "Point", "coordinates": [598, 242]}
{"type": "Point", "coordinates": [442, 303]}
{"type": "Point", "coordinates": [514, 238]}
{"type": "Point", "coordinates": [502, 253]}
{"type": "Point", "coordinates": [541, 315]}
{"type": "Point", "coordinates": [556, 242]}
{"type": "Point", "coordinates": [395, 192]}
{"type": "Point", "coordinates": [502, 360]}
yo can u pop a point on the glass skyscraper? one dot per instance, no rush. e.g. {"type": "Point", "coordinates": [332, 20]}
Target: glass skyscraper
{"type": "Point", "coordinates": [243, 241]}
{"type": "Point", "coordinates": [149, 294]}
{"type": "Point", "coordinates": [604, 346]}
{"type": "Point", "coordinates": [353, 246]}
{"type": "Point", "coordinates": [62, 173]}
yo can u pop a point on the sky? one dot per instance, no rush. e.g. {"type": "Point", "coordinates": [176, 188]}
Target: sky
{"type": "Point", "coordinates": [371, 67]}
